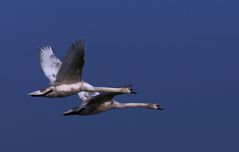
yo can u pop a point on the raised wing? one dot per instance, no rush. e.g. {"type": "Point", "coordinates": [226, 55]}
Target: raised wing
{"type": "Point", "coordinates": [50, 64]}
{"type": "Point", "coordinates": [72, 65]}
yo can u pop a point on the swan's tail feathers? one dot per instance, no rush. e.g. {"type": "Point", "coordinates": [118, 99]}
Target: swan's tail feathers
{"type": "Point", "coordinates": [73, 111]}
{"type": "Point", "coordinates": [69, 112]}
{"type": "Point", "coordinates": [41, 93]}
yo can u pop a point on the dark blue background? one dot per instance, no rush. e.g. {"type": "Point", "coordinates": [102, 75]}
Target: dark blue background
{"type": "Point", "coordinates": [181, 54]}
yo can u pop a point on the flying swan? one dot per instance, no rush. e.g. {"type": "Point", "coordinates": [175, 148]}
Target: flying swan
{"type": "Point", "coordinates": [66, 77]}
{"type": "Point", "coordinates": [96, 102]}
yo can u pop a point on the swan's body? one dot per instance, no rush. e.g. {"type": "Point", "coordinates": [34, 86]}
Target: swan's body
{"type": "Point", "coordinates": [66, 77]}
{"type": "Point", "coordinates": [95, 102]}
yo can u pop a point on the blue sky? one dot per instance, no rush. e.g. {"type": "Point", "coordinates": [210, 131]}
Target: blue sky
{"type": "Point", "coordinates": [181, 54]}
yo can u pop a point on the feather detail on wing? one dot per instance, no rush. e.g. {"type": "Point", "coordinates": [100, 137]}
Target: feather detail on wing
{"type": "Point", "coordinates": [72, 65]}
{"type": "Point", "coordinates": [50, 64]}
{"type": "Point", "coordinates": [85, 96]}
{"type": "Point", "coordinates": [102, 97]}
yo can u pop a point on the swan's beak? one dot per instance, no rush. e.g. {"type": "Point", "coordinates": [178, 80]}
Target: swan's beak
{"type": "Point", "coordinates": [133, 92]}
{"type": "Point", "coordinates": [158, 107]}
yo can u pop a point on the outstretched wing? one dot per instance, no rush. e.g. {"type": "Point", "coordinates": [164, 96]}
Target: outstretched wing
{"type": "Point", "coordinates": [86, 96]}
{"type": "Point", "coordinates": [72, 65]}
{"type": "Point", "coordinates": [102, 97]}
{"type": "Point", "coordinates": [50, 64]}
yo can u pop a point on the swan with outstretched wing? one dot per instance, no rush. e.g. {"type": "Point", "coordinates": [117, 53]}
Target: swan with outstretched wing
{"type": "Point", "coordinates": [66, 77]}
{"type": "Point", "coordinates": [96, 102]}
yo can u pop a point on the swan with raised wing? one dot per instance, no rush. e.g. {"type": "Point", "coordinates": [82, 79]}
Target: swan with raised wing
{"type": "Point", "coordinates": [96, 102]}
{"type": "Point", "coordinates": [66, 77]}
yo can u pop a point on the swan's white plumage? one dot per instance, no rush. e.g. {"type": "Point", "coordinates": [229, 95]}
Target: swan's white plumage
{"type": "Point", "coordinates": [93, 104]}
{"type": "Point", "coordinates": [66, 77]}
{"type": "Point", "coordinates": [50, 64]}
{"type": "Point", "coordinates": [67, 72]}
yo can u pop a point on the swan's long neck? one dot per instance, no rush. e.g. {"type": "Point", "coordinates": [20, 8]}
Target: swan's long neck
{"type": "Point", "coordinates": [107, 89]}
{"type": "Point", "coordinates": [90, 88]}
{"type": "Point", "coordinates": [119, 105]}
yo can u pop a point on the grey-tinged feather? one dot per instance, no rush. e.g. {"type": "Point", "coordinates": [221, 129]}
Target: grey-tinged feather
{"type": "Point", "coordinates": [102, 97]}
{"type": "Point", "coordinates": [86, 96]}
{"type": "Point", "coordinates": [99, 97]}
{"type": "Point", "coordinates": [72, 65]}
{"type": "Point", "coordinates": [50, 64]}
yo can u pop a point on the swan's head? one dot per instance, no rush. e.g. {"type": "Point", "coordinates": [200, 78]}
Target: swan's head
{"type": "Point", "coordinates": [155, 106]}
